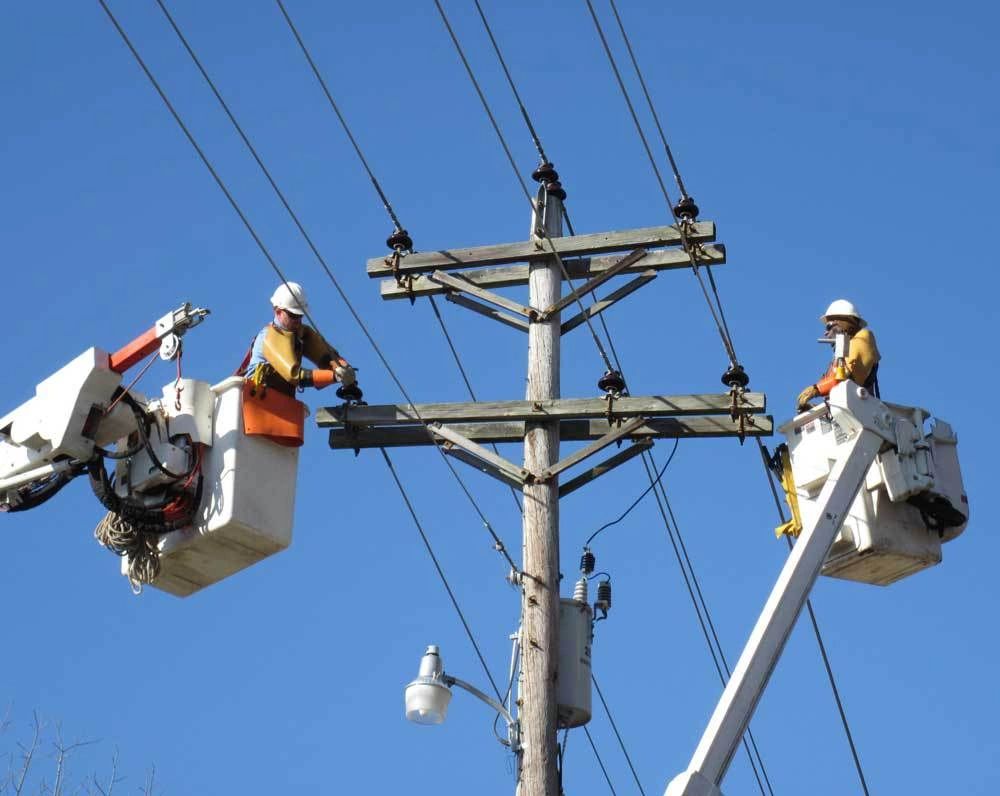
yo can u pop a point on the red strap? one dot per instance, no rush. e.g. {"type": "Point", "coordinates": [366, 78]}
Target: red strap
{"type": "Point", "coordinates": [242, 369]}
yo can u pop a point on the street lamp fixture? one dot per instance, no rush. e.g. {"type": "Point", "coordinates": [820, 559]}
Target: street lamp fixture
{"type": "Point", "coordinates": [427, 696]}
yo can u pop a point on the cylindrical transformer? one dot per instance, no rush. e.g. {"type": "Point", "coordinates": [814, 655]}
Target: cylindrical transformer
{"type": "Point", "coordinates": [573, 683]}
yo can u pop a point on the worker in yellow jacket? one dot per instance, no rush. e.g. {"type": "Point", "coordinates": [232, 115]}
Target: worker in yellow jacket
{"type": "Point", "coordinates": [861, 364]}
{"type": "Point", "coordinates": [275, 356]}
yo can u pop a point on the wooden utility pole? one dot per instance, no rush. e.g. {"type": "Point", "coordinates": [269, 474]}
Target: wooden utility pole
{"type": "Point", "coordinates": [540, 579]}
{"type": "Point", "coordinates": [470, 278]}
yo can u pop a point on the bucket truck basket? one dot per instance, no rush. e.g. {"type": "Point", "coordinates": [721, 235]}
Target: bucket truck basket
{"type": "Point", "coordinates": [248, 497]}
{"type": "Point", "coordinates": [912, 500]}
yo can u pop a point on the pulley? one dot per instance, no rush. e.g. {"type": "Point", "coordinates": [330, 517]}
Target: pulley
{"type": "Point", "coordinates": [686, 209]}
{"type": "Point", "coordinates": [612, 383]}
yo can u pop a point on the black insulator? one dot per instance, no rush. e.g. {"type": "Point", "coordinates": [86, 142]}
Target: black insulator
{"type": "Point", "coordinates": [686, 208]}
{"type": "Point", "coordinates": [587, 561]}
{"type": "Point", "coordinates": [735, 376]}
{"type": "Point", "coordinates": [604, 593]}
{"type": "Point", "coordinates": [555, 189]}
{"type": "Point", "coordinates": [400, 239]}
{"type": "Point", "coordinates": [350, 392]}
{"type": "Point", "coordinates": [545, 173]}
{"type": "Point", "coordinates": [611, 382]}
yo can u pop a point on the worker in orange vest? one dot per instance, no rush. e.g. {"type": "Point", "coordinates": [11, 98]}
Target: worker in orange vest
{"type": "Point", "coordinates": [861, 362]}
{"type": "Point", "coordinates": [275, 356]}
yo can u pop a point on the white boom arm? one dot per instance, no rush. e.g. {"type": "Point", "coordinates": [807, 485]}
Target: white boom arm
{"type": "Point", "coordinates": [865, 425]}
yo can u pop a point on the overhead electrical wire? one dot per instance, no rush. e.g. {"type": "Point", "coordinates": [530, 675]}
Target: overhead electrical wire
{"type": "Point", "coordinates": [277, 269]}
{"type": "Point", "coordinates": [727, 338]}
{"type": "Point", "coordinates": [541, 227]}
{"type": "Point", "coordinates": [498, 543]}
{"type": "Point", "coordinates": [638, 500]}
{"type": "Point", "coordinates": [819, 638]}
{"type": "Point", "coordinates": [695, 267]}
{"type": "Point", "coordinates": [600, 762]}
{"type": "Point", "coordinates": [618, 735]}
{"type": "Point", "coordinates": [646, 455]}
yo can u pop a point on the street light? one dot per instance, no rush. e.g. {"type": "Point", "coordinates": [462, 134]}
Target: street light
{"type": "Point", "coordinates": [427, 696]}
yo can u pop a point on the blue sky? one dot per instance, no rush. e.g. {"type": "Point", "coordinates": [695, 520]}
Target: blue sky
{"type": "Point", "coordinates": [843, 150]}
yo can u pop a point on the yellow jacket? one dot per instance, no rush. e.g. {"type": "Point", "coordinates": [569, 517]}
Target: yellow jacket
{"type": "Point", "coordinates": [862, 357]}
{"type": "Point", "coordinates": [276, 357]}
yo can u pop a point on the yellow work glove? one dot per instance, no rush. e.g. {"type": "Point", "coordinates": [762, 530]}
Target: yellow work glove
{"type": "Point", "coordinates": [802, 403]}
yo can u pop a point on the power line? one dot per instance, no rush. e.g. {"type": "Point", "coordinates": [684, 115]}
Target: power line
{"type": "Point", "coordinates": [340, 116]}
{"type": "Point", "coordinates": [440, 571]}
{"type": "Point", "coordinates": [497, 542]}
{"type": "Point", "coordinates": [540, 228]}
{"type": "Point", "coordinates": [688, 248]}
{"type": "Point", "coordinates": [720, 668]}
{"type": "Point", "coordinates": [614, 727]}
{"type": "Point", "coordinates": [599, 761]}
{"type": "Point", "coordinates": [724, 328]}
{"type": "Point", "coordinates": [510, 81]}
{"type": "Point", "coordinates": [819, 638]}
{"type": "Point", "coordinates": [274, 265]}
{"type": "Point", "coordinates": [636, 502]}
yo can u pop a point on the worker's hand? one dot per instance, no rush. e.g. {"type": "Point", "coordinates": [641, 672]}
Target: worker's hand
{"type": "Point", "coordinates": [810, 392]}
{"type": "Point", "coordinates": [345, 375]}
{"type": "Point", "coordinates": [323, 378]}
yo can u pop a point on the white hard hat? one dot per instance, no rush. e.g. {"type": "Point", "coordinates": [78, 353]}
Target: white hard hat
{"type": "Point", "coordinates": [291, 297]}
{"type": "Point", "coordinates": [842, 308]}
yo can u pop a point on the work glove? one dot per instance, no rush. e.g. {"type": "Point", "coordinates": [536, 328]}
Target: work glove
{"type": "Point", "coordinates": [810, 392]}
{"type": "Point", "coordinates": [323, 378]}
{"type": "Point", "coordinates": [345, 375]}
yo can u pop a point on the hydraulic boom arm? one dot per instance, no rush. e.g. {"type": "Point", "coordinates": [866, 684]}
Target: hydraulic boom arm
{"type": "Point", "coordinates": [865, 425]}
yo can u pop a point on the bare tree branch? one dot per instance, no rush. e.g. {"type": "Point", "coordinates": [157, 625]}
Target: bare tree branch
{"type": "Point", "coordinates": [147, 789]}
{"type": "Point", "coordinates": [28, 753]}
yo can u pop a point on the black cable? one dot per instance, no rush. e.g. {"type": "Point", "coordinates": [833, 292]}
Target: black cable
{"type": "Point", "coordinates": [497, 542]}
{"type": "Point", "coordinates": [636, 502]}
{"type": "Point", "coordinates": [649, 464]}
{"type": "Point", "coordinates": [340, 116]}
{"type": "Point", "coordinates": [819, 638]}
{"type": "Point", "coordinates": [540, 211]}
{"type": "Point", "coordinates": [465, 378]}
{"type": "Point", "coordinates": [649, 102]}
{"type": "Point", "coordinates": [510, 81]}
{"type": "Point", "coordinates": [614, 727]}
{"type": "Point", "coordinates": [723, 333]}
{"type": "Point", "coordinates": [599, 761]}
{"type": "Point", "coordinates": [718, 643]}
{"type": "Point", "coordinates": [440, 571]}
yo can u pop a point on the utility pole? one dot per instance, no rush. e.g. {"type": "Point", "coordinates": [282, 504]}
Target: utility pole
{"type": "Point", "coordinates": [540, 578]}
{"type": "Point", "coordinates": [469, 278]}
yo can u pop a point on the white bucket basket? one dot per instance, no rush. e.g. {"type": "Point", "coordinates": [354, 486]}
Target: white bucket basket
{"type": "Point", "coordinates": [247, 503]}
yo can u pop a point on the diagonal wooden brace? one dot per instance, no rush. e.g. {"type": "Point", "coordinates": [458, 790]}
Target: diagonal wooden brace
{"type": "Point", "coordinates": [465, 286]}
{"type": "Point", "coordinates": [518, 474]}
{"type": "Point", "coordinates": [593, 284]}
{"type": "Point", "coordinates": [602, 304]}
{"type": "Point", "coordinates": [633, 450]}
{"type": "Point", "coordinates": [611, 437]}
{"type": "Point", "coordinates": [484, 467]}
{"type": "Point", "coordinates": [489, 312]}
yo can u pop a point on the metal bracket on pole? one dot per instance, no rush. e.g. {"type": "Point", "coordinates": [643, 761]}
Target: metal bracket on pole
{"type": "Point", "coordinates": [609, 464]}
{"type": "Point", "coordinates": [602, 304]}
{"type": "Point", "coordinates": [465, 286]}
{"type": "Point", "coordinates": [489, 312]}
{"type": "Point", "coordinates": [593, 284]}
{"type": "Point", "coordinates": [589, 450]}
{"type": "Point", "coordinates": [512, 471]}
